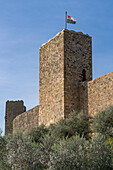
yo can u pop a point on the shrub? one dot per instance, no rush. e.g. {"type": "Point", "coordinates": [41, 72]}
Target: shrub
{"type": "Point", "coordinates": [69, 154]}
{"type": "Point", "coordinates": [100, 154]}
{"type": "Point", "coordinates": [20, 152]}
{"type": "Point", "coordinates": [103, 122]}
{"type": "Point", "coordinates": [0, 131]}
{"type": "Point", "coordinates": [23, 153]}
{"type": "Point", "coordinates": [76, 124]}
{"type": "Point", "coordinates": [36, 134]}
{"type": "Point", "coordinates": [78, 153]}
{"type": "Point", "coordinates": [64, 145]}
{"type": "Point", "coordinates": [3, 154]}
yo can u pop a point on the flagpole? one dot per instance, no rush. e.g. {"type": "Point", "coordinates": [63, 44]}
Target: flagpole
{"type": "Point", "coordinates": [66, 20]}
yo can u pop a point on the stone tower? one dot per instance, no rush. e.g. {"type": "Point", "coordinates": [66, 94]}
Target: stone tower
{"type": "Point", "coordinates": [13, 109]}
{"type": "Point", "coordinates": [65, 61]}
{"type": "Point", "coordinates": [65, 84]}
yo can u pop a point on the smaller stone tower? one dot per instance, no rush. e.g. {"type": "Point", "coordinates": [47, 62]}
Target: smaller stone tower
{"type": "Point", "coordinates": [13, 109]}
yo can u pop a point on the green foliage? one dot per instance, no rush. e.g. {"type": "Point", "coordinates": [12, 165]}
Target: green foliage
{"type": "Point", "coordinates": [45, 150]}
{"type": "Point", "coordinates": [0, 131]}
{"type": "Point", "coordinates": [3, 154]}
{"type": "Point", "coordinates": [63, 146]}
{"type": "Point", "coordinates": [20, 152]}
{"type": "Point", "coordinates": [77, 124]}
{"type": "Point", "coordinates": [70, 154]}
{"type": "Point", "coordinates": [100, 154]}
{"type": "Point", "coordinates": [109, 141]}
{"type": "Point", "coordinates": [78, 153]}
{"type": "Point", "coordinates": [36, 134]}
{"type": "Point", "coordinates": [103, 122]}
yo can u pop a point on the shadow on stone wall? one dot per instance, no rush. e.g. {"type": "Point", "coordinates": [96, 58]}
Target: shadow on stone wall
{"type": "Point", "coordinates": [83, 96]}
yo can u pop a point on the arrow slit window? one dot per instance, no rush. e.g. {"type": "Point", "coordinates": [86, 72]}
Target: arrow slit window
{"type": "Point", "coordinates": [83, 75]}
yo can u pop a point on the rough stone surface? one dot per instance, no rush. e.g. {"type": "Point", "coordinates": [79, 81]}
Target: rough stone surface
{"type": "Point", "coordinates": [77, 57]}
{"type": "Point", "coordinates": [26, 120]}
{"type": "Point", "coordinates": [100, 93]}
{"type": "Point", "coordinates": [51, 82]}
{"type": "Point", "coordinates": [62, 60]}
{"type": "Point", "coordinates": [97, 94]}
{"type": "Point", "coordinates": [13, 109]}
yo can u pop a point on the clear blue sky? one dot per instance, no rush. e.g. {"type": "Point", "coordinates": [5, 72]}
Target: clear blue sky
{"type": "Point", "coordinates": [26, 24]}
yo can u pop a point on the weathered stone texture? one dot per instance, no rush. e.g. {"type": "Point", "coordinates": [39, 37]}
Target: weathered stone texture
{"type": "Point", "coordinates": [13, 109]}
{"type": "Point", "coordinates": [77, 57]}
{"type": "Point", "coordinates": [97, 94]}
{"type": "Point", "coordinates": [83, 92]}
{"type": "Point", "coordinates": [100, 93]}
{"type": "Point", "coordinates": [62, 61]}
{"type": "Point", "coordinates": [26, 121]}
{"type": "Point", "coordinates": [51, 82]}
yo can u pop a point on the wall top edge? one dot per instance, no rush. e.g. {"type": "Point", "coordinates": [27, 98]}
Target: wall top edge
{"type": "Point", "coordinates": [12, 101]}
{"type": "Point", "coordinates": [63, 32]}
{"type": "Point", "coordinates": [101, 77]}
{"type": "Point", "coordinates": [26, 112]}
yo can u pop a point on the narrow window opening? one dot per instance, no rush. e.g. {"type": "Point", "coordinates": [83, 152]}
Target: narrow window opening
{"type": "Point", "coordinates": [83, 75]}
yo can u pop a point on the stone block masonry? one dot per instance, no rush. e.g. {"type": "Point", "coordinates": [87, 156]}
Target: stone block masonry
{"type": "Point", "coordinates": [65, 60]}
{"type": "Point", "coordinates": [13, 109]}
{"type": "Point", "coordinates": [100, 93]}
{"type": "Point", "coordinates": [77, 67]}
{"type": "Point", "coordinates": [26, 121]}
{"type": "Point", "coordinates": [51, 81]}
{"type": "Point", "coordinates": [97, 94]}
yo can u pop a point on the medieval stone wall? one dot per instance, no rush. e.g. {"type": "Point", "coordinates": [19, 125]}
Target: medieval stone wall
{"type": "Point", "coordinates": [77, 67]}
{"type": "Point", "coordinates": [97, 94]}
{"type": "Point", "coordinates": [51, 82]}
{"type": "Point", "coordinates": [100, 93]}
{"type": "Point", "coordinates": [65, 84]}
{"type": "Point", "coordinates": [13, 109]}
{"type": "Point", "coordinates": [26, 120]}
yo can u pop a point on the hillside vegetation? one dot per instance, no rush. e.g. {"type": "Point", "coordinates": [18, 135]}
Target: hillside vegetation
{"type": "Point", "coordinates": [80, 142]}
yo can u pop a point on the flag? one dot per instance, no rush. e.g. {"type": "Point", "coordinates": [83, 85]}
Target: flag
{"type": "Point", "coordinates": [71, 20]}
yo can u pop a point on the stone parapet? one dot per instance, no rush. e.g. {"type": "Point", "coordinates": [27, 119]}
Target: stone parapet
{"type": "Point", "coordinates": [97, 94]}
{"type": "Point", "coordinates": [26, 121]}
{"type": "Point", "coordinates": [100, 93]}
